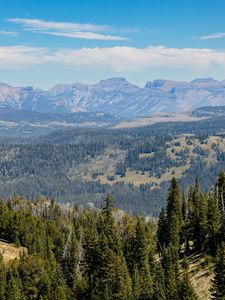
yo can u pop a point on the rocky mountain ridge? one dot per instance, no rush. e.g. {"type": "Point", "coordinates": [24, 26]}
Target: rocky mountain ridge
{"type": "Point", "coordinates": [117, 96]}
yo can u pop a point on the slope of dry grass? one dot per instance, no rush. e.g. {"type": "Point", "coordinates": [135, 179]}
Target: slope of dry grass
{"type": "Point", "coordinates": [201, 274]}
{"type": "Point", "coordinates": [10, 251]}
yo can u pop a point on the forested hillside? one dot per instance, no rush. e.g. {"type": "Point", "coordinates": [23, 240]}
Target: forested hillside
{"type": "Point", "coordinates": [70, 253]}
{"type": "Point", "coordinates": [27, 123]}
{"type": "Point", "coordinates": [134, 165]}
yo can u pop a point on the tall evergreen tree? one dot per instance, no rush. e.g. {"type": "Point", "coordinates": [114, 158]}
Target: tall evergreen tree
{"type": "Point", "coordinates": [174, 214]}
{"type": "Point", "coordinates": [159, 284]}
{"type": "Point", "coordinates": [14, 286]}
{"type": "Point", "coordinates": [186, 224]}
{"type": "Point", "coordinates": [109, 204]}
{"type": "Point", "coordinates": [186, 291]}
{"type": "Point", "coordinates": [2, 279]}
{"type": "Point", "coordinates": [220, 194]}
{"type": "Point", "coordinates": [171, 270]}
{"type": "Point", "coordinates": [140, 257]}
{"type": "Point", "coordinates": [70, 263]}
{"type": "Point", "coordinates": [220, 191]}
{"type": "Point", "coordinates": [200, 221]}
{"type": "Point", "coordinates": [111, 279]}
{"type": "Point", "coordinates": [161, 231]}
{"type": "Point", "coordinates": [218, 288]}
{"type": "Point", "coordinates": [214, 224]}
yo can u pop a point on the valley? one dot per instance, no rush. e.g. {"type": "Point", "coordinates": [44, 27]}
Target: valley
{"type": "Point", "coordinates": [158, 118]}
{"type": "Point", "coordinates": [135, 165]}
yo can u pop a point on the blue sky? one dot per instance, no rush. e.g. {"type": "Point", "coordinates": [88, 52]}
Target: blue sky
{"type": "Point", "coordinates": [43, 43]}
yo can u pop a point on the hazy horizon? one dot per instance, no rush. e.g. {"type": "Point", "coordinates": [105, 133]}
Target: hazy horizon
{"type": "Point", "coordinates": [109, 78]}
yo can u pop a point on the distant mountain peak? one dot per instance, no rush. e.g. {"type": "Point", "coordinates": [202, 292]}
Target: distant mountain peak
{"type": "Point", "coordinates": [155, 83]}
{"type": "Point", "coordinates": [114, 83]}
{"type": "Point", "coordinates": [203, 80]}
{"type": "Point", "coordinates": [163, 83]}
{"type": "Point", "coordinates": [113, 80]}
{"type": "Point", "coordinates": [4, 84]}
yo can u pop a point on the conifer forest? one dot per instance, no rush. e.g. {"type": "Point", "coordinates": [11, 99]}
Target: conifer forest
{"type": "Point", "coordinates": [103, 253]}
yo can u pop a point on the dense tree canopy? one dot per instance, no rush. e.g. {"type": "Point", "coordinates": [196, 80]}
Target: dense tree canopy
{"type": "Point", "coordinates": [106, 254]}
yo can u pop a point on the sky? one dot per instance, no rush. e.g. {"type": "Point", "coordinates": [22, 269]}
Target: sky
{"type": "Point", "coordinates": [46, 42]}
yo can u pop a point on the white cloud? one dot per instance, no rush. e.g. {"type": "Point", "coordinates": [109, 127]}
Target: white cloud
{"type": "Point", "coordinates": [131, 58]}
{"type": "Point", "coordinates": [218, 35]}
{"type": "Point", "coordinates": [8, 33]}
{"type": "Point", "coordinates": [37, 24]}
{"type": "Point", "coordinates": [70, 30]}
{"type": "Point", "coordinates": [118, 59]}
{"type": "Point", "coordinates": [85, 35]}
{"type": "Point", "coordinates": [19, 57]}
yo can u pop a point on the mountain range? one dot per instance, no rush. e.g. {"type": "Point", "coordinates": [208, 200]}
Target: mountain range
{"type": "Point", "coordinates": [116, 96]}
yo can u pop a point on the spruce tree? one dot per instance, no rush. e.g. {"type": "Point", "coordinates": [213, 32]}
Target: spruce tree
{"type": "Point", "coordinates": [2, 279]}
{"type": "Point", "coordinates": [111, 279]}
{"type": "Point", "coordinates": [14, 286]}
{"type": "Point", "coordinates": [59, 290]}
{"type": "Point", "coordinates": [159, 284]}
{"type": "Point", "coordinates": [161, 231]}
{"type": "Point", "coordinates": [171, 271]}
{"type": "Point", "coordinates": [186, 291]}
{"type": "Point", "coordinates": [200, 221]}
{"type": "Point", "coordinates": [220, 191]}
{"type": "Point", "coordinates": [140, 261]}
{"type": "Point", "coordinates": [214, 224]}
{"type": "Point", "coordinates": [70, 263]}
{"type": "Point", "coordinates": [174, 215]}
{"type": "Point", "coordinates": [218, 288]}
{"type": "Point", "coordinates": [186, 224]}
{"type": "Point", "coordinates": [109, 204]}
{"type": "Point", "coordinates": [220, 194]}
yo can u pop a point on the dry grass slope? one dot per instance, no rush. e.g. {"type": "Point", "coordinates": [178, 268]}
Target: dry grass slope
{"type": "Point", "coordinates": [201, 274]}
{"type": "Point", "coordinates": [103, 167]}
{"type": "Point", "coordinates": [10, 251]}
{"type": "Point", "coordinates": [158, 118]}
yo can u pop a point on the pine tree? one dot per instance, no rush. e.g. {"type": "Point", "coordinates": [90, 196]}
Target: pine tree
{"type": "Point", "coordinates": [70, 263]}
{"type": "Point", "coordinates": [14, 286]}
{"type": "Point", "coordinates": [171, 271]}
{"type": "Point", "coordinates": [186, 291]}
{"type": "Point", "coordinates": [220, 191]}
{"type": "Point", "coordinates": [218, 288]}
{"type": "Point", "coordinates": [139, 261]}
{"type": "Point", "coordinates": [200, 221]}
{"type": "Point", "coordinates": [214, 224]}
{"type": "Point", "coordinates": [2, 279]}
{"type": "Point", "coordinates": [159, 284]}
{"type": "Point", "coordinates": [59, 290]}
{"type": "Point", "coordinates": [90, 251]}
{"type": "Point", "coordinates": [136, 287]}
{"type": "Point", "coordinates": [111, 279]}
{"type": "Point", "coordinates": [161, 231]}
{"type": "Point", "coordinates": [60, 293]}
{"type": "Point", "coordinates": [106, 225]}
{"type": "Point", "coordinates": [35, 277]}
{"type": "Point", "coordinates": [186, 226]}
{"type": "Point", "coordinates": [109, 204]}
{"type": "Point", "coordinates": [220, 194]}
{"type": "Point", "coordinates": [140, 245]}
{"type": "Point", "coordinates": [174, 215]}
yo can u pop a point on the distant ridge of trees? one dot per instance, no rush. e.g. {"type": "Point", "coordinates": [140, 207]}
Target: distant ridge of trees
{"type": "Point", "coordinates": [34, 167]}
